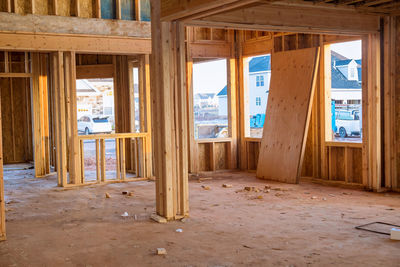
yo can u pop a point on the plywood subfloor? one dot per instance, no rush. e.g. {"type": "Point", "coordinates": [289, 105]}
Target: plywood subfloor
{"type": "Point", "coordinates": [285, 228]}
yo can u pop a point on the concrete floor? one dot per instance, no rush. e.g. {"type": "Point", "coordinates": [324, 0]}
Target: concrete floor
{"type": "Point", "coordinates": [294, 225]}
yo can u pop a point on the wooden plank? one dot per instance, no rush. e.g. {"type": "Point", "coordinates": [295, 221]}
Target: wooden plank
{"type": "Point", "coordinates": [282, 145]}
{"type": "Point", "coordinates": [94, 71]}
{"type": "Point", "coordinates": [82, 158]}
{"type": "Point", "coordinates": [102, 160]}
{"type": "Point", "coordinates": [123, 159]}
{"type": "Point", "coordinates": [70, 75]}
{"type": "Point", "coordinates": [81, 44]}
{"type": "Point", "coordinates": [10, 22]}
{"type": "Point", "coordinates": [293, 19]}
{"type": "Point", "coordinates": [118, 157]}
{"type": "Point", "coordinates": [98, 168]}
{"type": "Point", "coordinates": [169, 131]}
{"type": "Point", "coordinates": [98, 9]}
{"type": "Point", "coordinates": [61, 138]}
{"type": "Point", "coordinates": [177, 9]}
{"type": "Point", "coordinates": [15, 75]}
{"type": "Point", "coordinates": [2, 201]}
{"type": "Point", "coordinates": [137, 10]}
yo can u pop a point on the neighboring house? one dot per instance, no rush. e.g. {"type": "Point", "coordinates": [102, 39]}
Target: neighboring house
{"type": "Point", "coordinates": [346, 81]}
{"type": "Point", "coordinates": [258, 84]}
{"type": "Point", "coordinates": [205, 100]}
{"type": "Point", "coordinates": [223, 102]}
{"type": "Point", "coordinates": [88, 98]}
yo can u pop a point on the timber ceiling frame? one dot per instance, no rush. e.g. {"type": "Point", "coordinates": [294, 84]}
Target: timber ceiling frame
{"type": "Point", "coordinates": [316, 16]}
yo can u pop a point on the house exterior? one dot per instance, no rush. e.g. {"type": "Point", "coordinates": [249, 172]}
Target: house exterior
{"type": "Point", "coordinates": [346, 82]}
{"type": "Point", "coordinates": [258, 85]}
{"type": "Point", "coordinates": [205, 100]}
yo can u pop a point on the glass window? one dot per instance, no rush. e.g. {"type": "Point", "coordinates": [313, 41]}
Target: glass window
{"type": "Point", "coordinates": [258, 101]}
{"type": "Point", "coordinates": [210, 99]}
{"type": "Point", "coordinates": [257, 73]}
{"type": "Point", "coordinates": [346, 92]}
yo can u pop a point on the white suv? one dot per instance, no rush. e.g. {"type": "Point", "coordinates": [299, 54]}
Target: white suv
{"type": "Point", "coordinates": [92, 125]}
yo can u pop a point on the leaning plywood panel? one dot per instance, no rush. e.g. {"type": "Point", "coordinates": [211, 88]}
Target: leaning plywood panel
{"type": "Point", "coordinates": [288, 111]}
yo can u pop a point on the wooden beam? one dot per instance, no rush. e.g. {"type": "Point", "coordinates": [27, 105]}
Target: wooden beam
{"type": "Point", "coordinates": [40, 114]}
{"type": "Point", "coordinates": [80, 44]}
{"type": "Point", "coordinates": [11, 22]}
{"type": "Point", "coordinates": [169, 113]}
{"type": "Point", "coordinates": [178, 9]}
{"type": "Point", "coordinates": [2, 202]}
{"type": "Point", "coordinates": [118, 9]}
{"type": "Point", "coordinates": [97, 9]}
{"type": "Point", "coordinates": [276, 18]}
{"type": "Point", "coordinates": [73, 142]}
{"type": "Point", "coordinates": [94, 71]}
{"type": "Point", "coordinates": [60, 130]}
{"type": "Point", "coordinates": [137, 10]}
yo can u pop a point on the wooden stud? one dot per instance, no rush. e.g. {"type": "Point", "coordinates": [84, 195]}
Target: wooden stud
{"type": "Point", "coordinates": [2, 201]}
{"type": "Point", "coordinates": [74, 164]}
{"type": "Point", "coordinates": [118, 9]}
{"type": "Point", "coordinates": [102, 160]}
{"type": "Point", "coordinates": [98, 168]}
{"type": "Point", "coordinates": [137, 10]}
{"type": "Point", "coordinates": [61, 138]}
{"type": "Point", "coordinates": [98, 9]}
{"type": "Point", "coordinates": [82, 157]}
{"type": "Point", "coordinates": [123, 159]}
{"type": "Point", "coordinates": [118, 156]}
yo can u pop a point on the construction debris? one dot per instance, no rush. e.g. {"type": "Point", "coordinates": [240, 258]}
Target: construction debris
{"type": "Point", "coordinates": [108, 195]}
{"type": "Point", "coordinates": [204, 179]}
{"type": "Point", "coordinates": [179, 230]}
{"type": "Point", "coordinates": [161, 251]}
{"type": "Point", "coordinates": [205, 187]}
{"type": "Point", "coordinates": [158, 218]}
{"type": "Point", "coordinates": [260, 197]}
{"type": "Point", "coordinates": [227, 185]}
{"type": "Point", "coordinates": [395, 234]}
{"type": "Point", "coordinates": [125, 214]}
{"type": "Point", "coordinates": [125, 192]}
{"type": "Point", "coordinates": [130, 194]}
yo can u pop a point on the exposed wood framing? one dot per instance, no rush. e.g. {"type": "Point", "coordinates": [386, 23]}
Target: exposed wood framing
{"type": "Point", "coordinates": [40, 115]}
{"type": "Point", "coordinates": [169, 119]}
{"type": "Point", "coordinates": [73, 25]}
{"type": "Point", "coordinates": [2, 201]}
{"type": "Point", "coordinates": [95, 71]}
{"type": "Point", "coordinates": [82, 44]}
{"type": "Point", "coordinates": [287, 19]}
{"type": "Point", "coordinates": [57, 61]}
{"type": "Point", "coordinates": [72, 127]}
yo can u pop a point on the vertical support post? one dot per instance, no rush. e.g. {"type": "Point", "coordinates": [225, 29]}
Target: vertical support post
{"type": "Point", "coordinates": [137, 10]}
{"type": "Point", "coordinates": [232, 104]}
{"type": "Point", "coordinates": [103, 160]}
{"type": "Point", "coordinates": [118, 156]}
{"type": "Point", "coordinates": [2, 203]}
{"type": "Point", "coordinates": [123, 159]}
{"type": "Point", "coordinates": [40, 115]}
{"type": "Point", "coordinates": [169, 116]}
{"type": "Point", "coordinates": [73, 144]}
{"type": "Point", "coordinates": [118, 9]}
{"type": "Point", "coordinates": [59, 107]}
{"type": "Point", "coordinates": [371, 111]}
{"type": "Point", "coordinates": [82, 157]}
{"type": "Point", "coordinates": [98, 9]}
{"type": "Point", "coordinates": [98, 168]}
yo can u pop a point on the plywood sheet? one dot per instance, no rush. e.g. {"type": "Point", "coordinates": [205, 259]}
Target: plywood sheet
{"type": "Point", "coordinates": [287, 116]}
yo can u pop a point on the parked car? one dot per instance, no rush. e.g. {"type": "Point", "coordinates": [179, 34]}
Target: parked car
{"type": "Point", "coordinates": [94, 124]}
{"type": "Point", "coordinates": [347, 123]}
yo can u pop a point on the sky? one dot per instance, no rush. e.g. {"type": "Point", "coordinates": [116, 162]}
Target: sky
{"type": "Point", "coordinates": [348, 49]}
{"type": "Point", "coordinates": [211, 76]}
